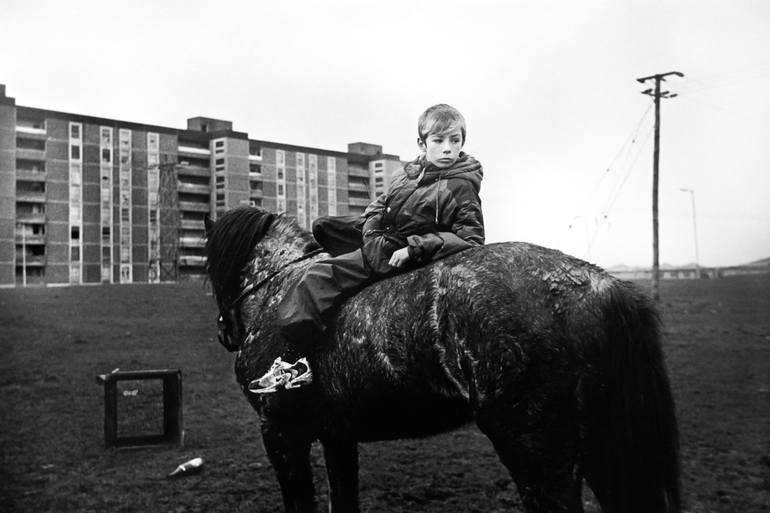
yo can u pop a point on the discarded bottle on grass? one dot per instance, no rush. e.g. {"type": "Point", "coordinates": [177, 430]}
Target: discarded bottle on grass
{"type": "Point", "coordinates": [187, 468]}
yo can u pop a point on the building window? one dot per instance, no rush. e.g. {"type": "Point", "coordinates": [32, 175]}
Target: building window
{"type": "Point", "coordinates": [153, 208]}
{"type": "Point", "coordinates": [312, 162]}
{"type": "Point", "coordinates": [220, 162]}
{"type": "Point", "coordinates": [125, 205]}
{"type": "Point", "coordinates": [301, 203]}
{"type": "Point", "coordinates": [331, 180]}
{"type": "Point", "coordinates": [75, 174]}
{"type": "Point", "coordinates": [75, 202]}
{"type": "Point", "coordinates": [280, 157]}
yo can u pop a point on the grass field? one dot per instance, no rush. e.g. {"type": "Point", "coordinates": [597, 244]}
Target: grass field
{"type": "Point", "coordinates": [54, 341]}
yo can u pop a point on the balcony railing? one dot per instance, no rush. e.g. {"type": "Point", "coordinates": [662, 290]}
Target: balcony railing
{"type": "Point", "coordinates": [30, 239]}
{"type": "Point", "coordinates": [32, 135]}
{"type": "Point", "coordinates": [357, 186]}
{"type": "Point", "coordinates": [30, 154]}
{"type": "Point", "coordinates": [192, 170]}
{"type": "Point", "coordinates": [30, 260]}
{"type": "Point", "coordinates": [31, 130]}
{"type": "Point", "coordinates": [192, 260]}
{"type": "Point", "coordinates": [30, 196]}
{"type": "Point", "coordinates": [29, 175]}
{"type": "Point", "coordinates": [30, 218]}
{"type": "Point", "coordinates": [192, 224]}
{"type": "Point", "coordinates": [194, 206]}
{"type": "Point", "coordinates": [353, 171]}
{"type": "Point", "coordinates": [192, 150]}
{"type": "Point", "coordinates": [193, 188]}
{"type": "Point", "coordinates": [191, 242]}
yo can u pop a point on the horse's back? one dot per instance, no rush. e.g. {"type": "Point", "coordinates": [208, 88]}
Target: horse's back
{"type": "Point", "coordinates": [484, 291]}
{"type": "Point", "coordinates": [435, 341]}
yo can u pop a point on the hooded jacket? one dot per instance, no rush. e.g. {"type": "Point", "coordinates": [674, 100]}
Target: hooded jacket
{"type": "Point", "coordinates": [434, 212]}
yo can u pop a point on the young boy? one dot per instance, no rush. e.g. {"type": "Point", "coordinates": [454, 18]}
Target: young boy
{"type": "Point", "coordinates": [431, 210]}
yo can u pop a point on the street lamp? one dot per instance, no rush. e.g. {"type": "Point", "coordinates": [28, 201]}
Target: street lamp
{"type": "Point", "coordinates": [694, 229]}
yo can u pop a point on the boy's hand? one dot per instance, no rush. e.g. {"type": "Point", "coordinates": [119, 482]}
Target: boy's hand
{"type": "Point", "coordinates": [399, 257]}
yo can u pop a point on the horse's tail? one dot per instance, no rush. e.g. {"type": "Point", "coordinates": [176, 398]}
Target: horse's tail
{"type": "Point", "coordinates": [633, 449]}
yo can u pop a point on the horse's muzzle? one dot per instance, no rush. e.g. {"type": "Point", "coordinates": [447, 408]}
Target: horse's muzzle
{"type": "Point", "coordinates": [223, 335]}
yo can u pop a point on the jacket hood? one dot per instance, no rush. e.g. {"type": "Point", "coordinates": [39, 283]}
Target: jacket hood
{"type": "Point", "coordinates": [465, 168]}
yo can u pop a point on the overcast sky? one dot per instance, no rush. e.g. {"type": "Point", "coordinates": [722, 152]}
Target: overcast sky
{"type": "Point", "coordinates": [548, 89]}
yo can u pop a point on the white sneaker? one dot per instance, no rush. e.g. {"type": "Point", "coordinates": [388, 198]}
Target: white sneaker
{"type": "Point", "coordinates": [282, 375]}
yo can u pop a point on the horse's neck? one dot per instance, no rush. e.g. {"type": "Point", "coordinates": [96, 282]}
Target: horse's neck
{"type": "Point", "coordinates": [283, 243]}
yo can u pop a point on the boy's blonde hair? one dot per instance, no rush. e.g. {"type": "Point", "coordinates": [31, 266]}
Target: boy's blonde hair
{"type": "Point", "coordinates": [440, 119]}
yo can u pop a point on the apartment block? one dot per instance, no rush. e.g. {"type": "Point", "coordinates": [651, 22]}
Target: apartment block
{"type": "Point", "coordinates": [88, 200]}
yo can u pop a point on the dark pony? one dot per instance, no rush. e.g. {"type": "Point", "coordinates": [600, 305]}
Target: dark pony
{"type": "Point", "coordinates": [557, 362]}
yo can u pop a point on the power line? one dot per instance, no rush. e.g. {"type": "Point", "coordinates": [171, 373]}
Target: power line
{"type": "Point", "coordinates": [738, 78]}
{"type": "Point", "coordinates": [605, 213]}
{"type": "Point", "coordinates": [626, 146]}
{"type": "Point", "coordinates": [614, 197]}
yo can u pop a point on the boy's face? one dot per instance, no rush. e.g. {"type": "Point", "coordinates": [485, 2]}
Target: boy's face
{"type": "Point", "coordinates": [442, 150]}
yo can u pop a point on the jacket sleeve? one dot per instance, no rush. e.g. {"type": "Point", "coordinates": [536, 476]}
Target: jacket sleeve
{"type": "Point", "coordinates": [373, 217]}
{"type": "Point", "coordinates": [467, 231]}
{"type": "Point", "coordinates": [376, 249]}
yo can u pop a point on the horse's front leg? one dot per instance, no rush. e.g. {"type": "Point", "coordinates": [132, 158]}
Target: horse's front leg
{"type": "Point", "coordinates": [288, 447]}
{"type": "Point", "coordinates": [341, 457]}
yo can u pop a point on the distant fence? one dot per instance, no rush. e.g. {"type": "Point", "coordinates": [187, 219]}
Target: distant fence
{"type": "Point", "coordinates": [690, 273]}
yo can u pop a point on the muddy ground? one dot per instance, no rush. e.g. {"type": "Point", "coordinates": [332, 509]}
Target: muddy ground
{"type": "Point", "coordinates": [54, 341]}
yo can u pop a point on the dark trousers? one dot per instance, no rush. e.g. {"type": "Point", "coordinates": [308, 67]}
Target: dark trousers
{"type": "Point", "coordinates": [339, 234]}
{"type": "Point", "coordinates": [304, 311]}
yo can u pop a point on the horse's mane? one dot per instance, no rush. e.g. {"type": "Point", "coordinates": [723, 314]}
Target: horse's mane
{"type": "Point", "coordinates": [229, 244]}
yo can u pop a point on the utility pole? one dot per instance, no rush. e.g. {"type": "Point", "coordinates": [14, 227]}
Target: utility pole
{"type": "Point", "coordinates": [657, 94]}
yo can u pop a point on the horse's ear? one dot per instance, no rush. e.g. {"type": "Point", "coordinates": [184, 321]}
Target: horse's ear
{"type": "Point", "coordinates": [208, 223]}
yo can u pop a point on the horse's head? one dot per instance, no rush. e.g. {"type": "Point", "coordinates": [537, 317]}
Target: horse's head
{"type": "Point", "coordinates": [236, 265]}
